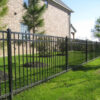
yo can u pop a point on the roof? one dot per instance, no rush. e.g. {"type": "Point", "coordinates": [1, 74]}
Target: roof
{"type": "Point", "coordinates": [62, 4]}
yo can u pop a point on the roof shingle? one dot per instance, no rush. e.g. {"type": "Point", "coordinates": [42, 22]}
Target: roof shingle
{"type": "Point", "coordinates": [62, 4]}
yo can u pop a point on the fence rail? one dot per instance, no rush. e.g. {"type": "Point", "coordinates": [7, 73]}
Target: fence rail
{"type": "Point", "coordinates": [29, 59]}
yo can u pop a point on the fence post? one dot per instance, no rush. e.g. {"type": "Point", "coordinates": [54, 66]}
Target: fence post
{"type": "Point", "coordinates": [86, 50]}
{"type": "Point", "coordinates": [96, 49]}
{"type": "Point", "coordinates": [9, 63]}
{"type": "Point", "coordinates": [66, 53]}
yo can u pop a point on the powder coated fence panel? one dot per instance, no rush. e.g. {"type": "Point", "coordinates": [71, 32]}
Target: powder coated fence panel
{"type": "Point", "coordinates": [28, 59]}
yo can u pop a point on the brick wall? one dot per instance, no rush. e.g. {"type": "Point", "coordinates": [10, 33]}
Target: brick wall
{"type": "Point", "coordinates": [56, 18]}
{"type": "Point", "coordinates": [14, 17]}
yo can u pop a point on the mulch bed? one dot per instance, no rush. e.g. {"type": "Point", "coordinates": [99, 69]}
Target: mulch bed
{"type": "Point", "coordinates": [2, 77]}
{"type": "Point", "coordinates": [35, 64]}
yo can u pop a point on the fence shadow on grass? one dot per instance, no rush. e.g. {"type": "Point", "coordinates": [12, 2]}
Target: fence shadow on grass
{"type": "Point", "coordinates": [85, 68]}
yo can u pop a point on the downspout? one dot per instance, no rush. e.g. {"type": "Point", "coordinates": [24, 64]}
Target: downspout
{"type": "Point", "coordinates": [69, 25]}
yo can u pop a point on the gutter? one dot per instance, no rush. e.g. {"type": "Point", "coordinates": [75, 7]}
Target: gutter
{"type": "Point", "coordinates": [64, 7]}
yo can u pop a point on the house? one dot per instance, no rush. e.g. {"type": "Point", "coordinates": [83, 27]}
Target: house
{"type": "Point", "coordinates": [56, 17]}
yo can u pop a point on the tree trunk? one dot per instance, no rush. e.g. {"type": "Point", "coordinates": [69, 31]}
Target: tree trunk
{"type": "Point", "coordinates": [33, 30]}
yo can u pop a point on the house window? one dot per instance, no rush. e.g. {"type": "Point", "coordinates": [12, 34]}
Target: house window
{"type": "Point", "coordinates": [26, 2]}
{"type": "Point", "coordinates": [24, 29]}
{"type": "Point", "coordinates": [46, 3]}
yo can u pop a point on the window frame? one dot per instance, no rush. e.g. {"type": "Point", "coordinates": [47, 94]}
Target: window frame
{"type": "Point", "coordinates": [24, 29]}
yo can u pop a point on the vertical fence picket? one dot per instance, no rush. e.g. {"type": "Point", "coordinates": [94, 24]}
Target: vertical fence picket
{"type": "Point", "coordinates": [86, 50]}
{"type": "Point", "coordinates": [9, 64]}
{"type": "Point", "coordinates": [66, 53]}
{"type": "Point", "coordinates": [43, 67]}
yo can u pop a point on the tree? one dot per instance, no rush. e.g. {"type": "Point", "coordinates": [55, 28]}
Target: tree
{"type": "Point", "coordinates": [61, 44]}
{"type": "Point", "coordinates": [3, 11]}
{"type": "Point", "coordinates": [33, 15]}
{"type": "Point", "coordinates": [43, 46]}
{"type": "Point", "coordinates": [96, 30]}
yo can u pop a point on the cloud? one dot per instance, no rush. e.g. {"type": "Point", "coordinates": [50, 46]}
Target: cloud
{"type": "Point", "coordinates": [84, 28]}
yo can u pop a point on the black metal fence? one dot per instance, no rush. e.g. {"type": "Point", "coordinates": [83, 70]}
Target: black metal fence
{"type": "Point", "coordinates": [27, 60]}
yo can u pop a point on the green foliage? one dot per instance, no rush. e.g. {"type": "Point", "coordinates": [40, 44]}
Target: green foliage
{"type": "Point", "coordinates": [43, 46]}
{"type": "Point", "coordinates": [33, 15]}
{"type": "Point", "coordinates": [72, 46]}
{"type": "Point", "coordinates": [96, 30]}
{"type": "Point", "coordinates": [61, 45]}
{"type": "Point", "coordinates": [3, 11]}
{"type": "Point", "coordinates": [3, 3]}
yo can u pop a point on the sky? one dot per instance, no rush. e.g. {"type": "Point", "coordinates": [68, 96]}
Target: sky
{"type": "Point", "coordinates": [84, 17]}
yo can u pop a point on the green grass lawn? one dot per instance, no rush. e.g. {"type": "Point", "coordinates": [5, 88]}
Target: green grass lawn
{"type": "Point", "coordinates": [82, 83]}
{"type": "Point", "coordinates": [23, 76]}
{"type": "Point", "coordinates": [55, 61]}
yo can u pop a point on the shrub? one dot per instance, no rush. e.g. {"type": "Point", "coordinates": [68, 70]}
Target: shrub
{"type": "Point", "coordinates": [61, 45]}
{"type": "Point", "coordinates": [43, 46]}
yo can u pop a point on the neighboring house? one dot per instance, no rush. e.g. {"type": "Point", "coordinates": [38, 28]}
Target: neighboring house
{"type": "Point", "coordinates": [56, 17]}
{"type": "Point", "coordinates": [73, 32]}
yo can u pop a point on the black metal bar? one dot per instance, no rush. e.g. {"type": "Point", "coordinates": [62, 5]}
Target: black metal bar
{"type": "Point", "coordinates": [52, 64]}
{"type": "Point", "coordinates": [39, 63]}
{"type": "Point", "coordinates": [44, 58]}
{"type": "Point", "coordinates": [37, 83]}
{"type": "Point", "coordinates": [19, 59]}
{"type": "Point", "coordinates": [95, 49]}
{"type": "Point", "coordinates": [4, 61]}
{"type": "Point", "coordinates": [86, 50]}
{"type": "Point", "coordinates": [42, 62]}
{"type": "Point", "coordinates": [58, 55]}
{"type": "Point", "coordinates": [33, 56]}
{"type": "Point", "coordinates": [23, 59]}
{"type": "Point", "coordinates": [30, 59]}
{"type": "Point", "coordinates": [9, 64]}
{"type": "Point", "coordinates": [63, 40]}
{"type": "Point", "coordinates": [40, 35]}
{"type": "Point", "coordinates": [47, 56]}
{"type": "Point", "coordinates": [66, 53]}
{"type": "Point", "coordinates": [53, 55]}
{"type": "Point", "coordinates": [15, 61]}
{"type": "Point", "coordinates": [27, 58]}
{"type": "Point", "coordinates": [36, 71]}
